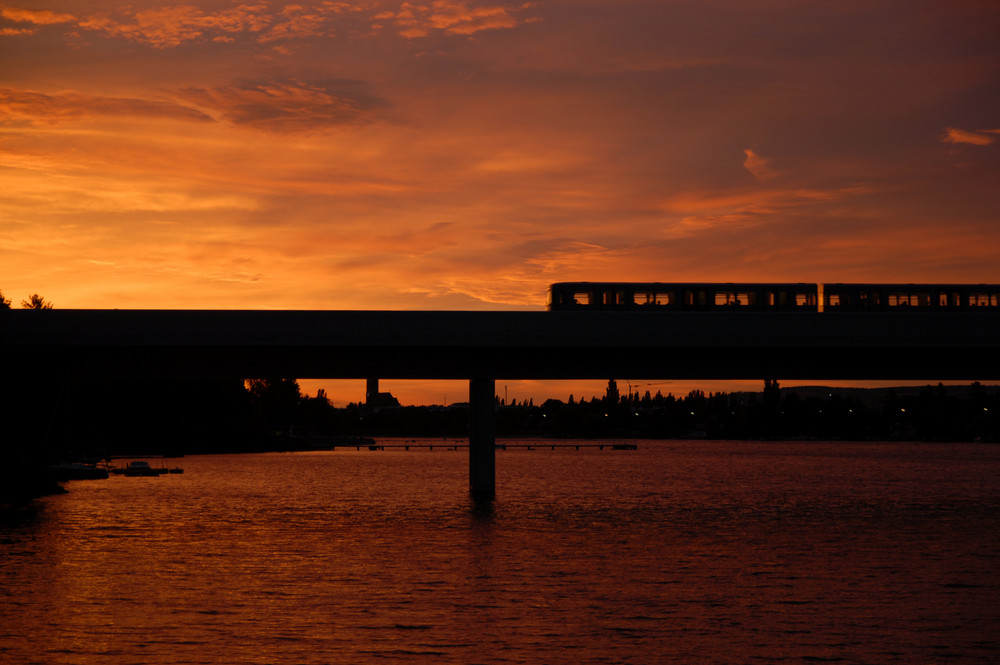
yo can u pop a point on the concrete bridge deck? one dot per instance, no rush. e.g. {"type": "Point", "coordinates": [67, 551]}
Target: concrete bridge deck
{"type": "Point", "coordinates": [503, 345]}
{"type": "Point", "coordinates": [485, 346]}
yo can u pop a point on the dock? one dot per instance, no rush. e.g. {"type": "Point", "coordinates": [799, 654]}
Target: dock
{"type": "Point", "coordinates": [499, 446]}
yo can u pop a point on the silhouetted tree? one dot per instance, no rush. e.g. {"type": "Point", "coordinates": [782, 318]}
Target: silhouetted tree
{"type": "Point", "coordinates": [612, 396]}
{"type": "Point", "coordinates": [4, 303]}
{"type": "Point", "coordinates": [275, 402]}
{"type": "Point", "coordinates": [35, 301]}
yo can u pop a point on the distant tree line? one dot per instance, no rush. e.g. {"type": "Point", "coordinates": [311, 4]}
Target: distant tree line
{"type": "Point", "coordinates": [186, 416]}
{"type": "Point", "coordinates": [933, 414]}
{"type": "Point", "coordinates": [34, 301]}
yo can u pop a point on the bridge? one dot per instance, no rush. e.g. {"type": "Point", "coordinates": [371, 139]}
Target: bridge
{"type": "Point", "coordinates": [482, 347]}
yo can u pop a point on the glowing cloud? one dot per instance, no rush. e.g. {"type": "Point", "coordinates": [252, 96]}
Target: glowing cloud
{"type": "Point", "coordinates": [757, 165]}
{"type": "Point", "coordinates": [44, 17]}
{"type": "Point", "coordinates": [954, 135]}
{"type": "Point", "coordinates": [170, 26]}
{"type": "Point", "coordinates": [452, 17]}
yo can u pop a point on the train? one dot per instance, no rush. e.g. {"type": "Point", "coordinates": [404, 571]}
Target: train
{"type": "Point", "coordinates": [794, 297]}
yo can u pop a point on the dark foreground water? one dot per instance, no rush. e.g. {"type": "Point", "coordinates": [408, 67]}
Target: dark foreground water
{"type": "Point", "coordinates": [681, 551]}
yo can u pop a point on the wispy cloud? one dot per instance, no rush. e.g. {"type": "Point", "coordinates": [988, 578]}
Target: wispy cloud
{"type": "Point", "coordinates": [290, 106]}
{"type": "Point", "coordinates": [42, 17]}
{"type": "Point", "coordinates": [757, 165]}
{"type": "Point", "coordinates": [456, 17]}
{"type": "Point", "coordinates": [169, 26]}
{"type": "Point", "coordinates": [981, 137]}
{"type": "Point", "coordinates": [50, 108]}
{"type": "Point", "coordinates": [296, 22]}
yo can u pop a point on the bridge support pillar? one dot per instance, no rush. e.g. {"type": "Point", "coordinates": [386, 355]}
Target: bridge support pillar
{"type": "Point", "coordinates": [482, 438]}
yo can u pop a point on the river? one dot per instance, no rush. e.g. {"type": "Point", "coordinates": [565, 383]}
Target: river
{"type": "Point", "coordinates": [677, 552]}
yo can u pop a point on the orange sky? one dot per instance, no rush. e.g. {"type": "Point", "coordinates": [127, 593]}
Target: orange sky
{"type": "Point", "coordinates": [456, 154]}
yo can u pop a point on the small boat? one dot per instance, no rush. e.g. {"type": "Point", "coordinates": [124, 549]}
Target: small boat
{"type": "Point", "coordinates": [76, 471]}
{"type": "Point", "coordinates": [141, 468]}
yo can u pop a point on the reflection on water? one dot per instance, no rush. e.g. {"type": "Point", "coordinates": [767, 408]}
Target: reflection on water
{"type": "Point", "coordinates": [676, 552]}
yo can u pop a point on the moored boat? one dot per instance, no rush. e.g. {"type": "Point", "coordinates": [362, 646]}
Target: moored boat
{"type": "Point", "coordinates": [141, 468]}
{"type": "Point", "coordinates": [76, 471]}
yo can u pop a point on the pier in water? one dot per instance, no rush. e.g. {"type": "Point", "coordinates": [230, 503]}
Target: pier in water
{"type": "Point", "coordinates": [679, 551]}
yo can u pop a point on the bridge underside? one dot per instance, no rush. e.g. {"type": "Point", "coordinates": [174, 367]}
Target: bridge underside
{"type": "Point", "coordinates": [485, 346]}
{"type": "Point", "coordinates": [503, 345]}
{"type": "Point", "coordinates": [733, 362]}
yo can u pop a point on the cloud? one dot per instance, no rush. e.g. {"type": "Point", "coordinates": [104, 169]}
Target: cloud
{"type": "Point", "coordinates": [452, 17]}
{"type": "Point", "coordinates": [36, 17]}
{"type": "Point", "coordinates": [170, 26]}
{"type": "Point", "coordinates": [37, 106]}
{"type": "Point", "coordinates": [981, 137]}
{"type": "Point", "coordinates": [290, 106]}
{"type": "Point", "coordinates": [757, 165]}
{"type": "Point", "coordinates": [296, 22]}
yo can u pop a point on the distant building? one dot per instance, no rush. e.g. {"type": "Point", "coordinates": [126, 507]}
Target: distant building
{"type": "Point", "coordinates": [378, 400]}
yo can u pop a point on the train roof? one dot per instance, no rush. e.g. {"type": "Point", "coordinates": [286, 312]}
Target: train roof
{"type": "Point", "coordinates": [880, 285]}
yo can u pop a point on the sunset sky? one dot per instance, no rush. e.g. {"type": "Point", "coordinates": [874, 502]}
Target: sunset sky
{"type": "Point", "coordinates": [458, 154]}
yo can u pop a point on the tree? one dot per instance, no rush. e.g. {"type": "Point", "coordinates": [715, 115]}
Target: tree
{"type": "Point", "coordinates": [275, 402]}
{"type": "Point", "coordinates": [612, 396]}
{"type": "Point", "coordinates": [4, 303]}
{"type": "Point", "coordinates": [35, 301]}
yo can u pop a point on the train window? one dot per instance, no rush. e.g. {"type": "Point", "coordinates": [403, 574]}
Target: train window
{"type": "Point", "coordinates": [779, 299]}
{"type": "Point", "coordinates": [735, 298]}
{"type": "Point", "coordinates": [614, 298]}
{"type": "Point", "coordinates": [691, 298]}
{"type": "Point", "coordinates": [582, 298]}
{"type": "Point", "coordinates": [984, 300]}
{"type": "Point", "coordinates": [909, 300]}
{"type": "Point", "coordinates": [654, 298]}
{"type": "Point", "coordinates": [805, 299]}
{"type": "Point", "coordinates": [838, 300]}
{"type": "Point", "coordinates": [867, 300]}
{"type": "Point", "coordinates": [946, 299]}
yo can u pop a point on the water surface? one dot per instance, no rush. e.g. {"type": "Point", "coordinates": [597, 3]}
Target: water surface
{"type": "Point", "coordinates": [680, 551]}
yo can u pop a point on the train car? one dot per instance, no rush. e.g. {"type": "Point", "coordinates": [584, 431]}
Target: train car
{"type": "Point", "coordinates": [795, 297]}
{"type": "Point", "coordinates": [903, 297]}
{"type": "Point", "coordinates": [680, 296]}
